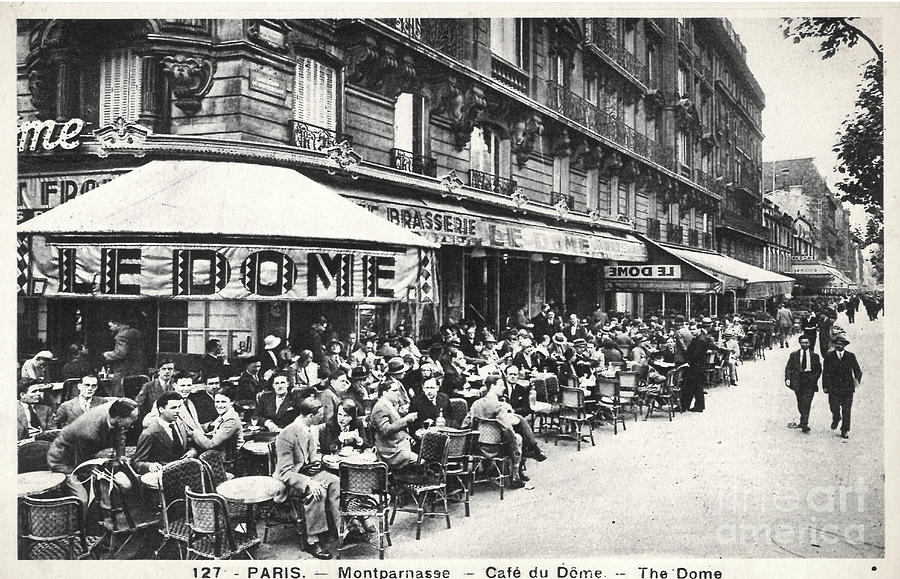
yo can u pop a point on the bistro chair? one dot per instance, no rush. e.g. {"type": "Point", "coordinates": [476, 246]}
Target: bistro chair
{"type": "Point", "coordinates": [459, 408]}
{"type": "Point", "coordinates": [546, 411]}
{"type": "Point", "coordinates": [572, 414]}
{"type": "Point", "coordinates": [70, 389]}
{"type": "Point", "coordinates": [48, 435]}
{"type": "Point", "coordinates": [364, 493]}
{"type": "Point", "coordinates": [665, 397]}
{"type": "Point", "coordinates": [494, 457]}
{"type": "Point", "coordinates": [608, 401]}
{"type": "Point", "coordinates": [215, 473]}
{"type": "Point", "coordinates": [176, 476]}
{"type": "Point", "coordinates": [210, 532]}
{"type": "Point", "coordinates": [427, 484]}
{"type": "Point", "coordinates": [628, 391]}
{"type": "Point", "coordinates": [759, 344]}
{"type": "Point", "coordinates": [33, 455]}
{"type": "Point", "coordinates": [53, 529]}
{"type": "Point", "coordinates": [460, 464]}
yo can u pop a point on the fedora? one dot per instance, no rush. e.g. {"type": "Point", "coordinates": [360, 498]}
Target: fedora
{"type": "Point", "coordinates": [396, 365]}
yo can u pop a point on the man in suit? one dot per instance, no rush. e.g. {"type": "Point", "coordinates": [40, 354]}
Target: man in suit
{"type": "Point", "coordinates": [155, 388]}
{"type": "Point", "coordinates": [97, 429]}
{"type": "Point", "coordinates": [69, 410]}
{"type": "Point", "coordinates": [490, 407]}
{"type": "Point", "coordinates": [802, 376]}
{"type": "Point", "coordinates": [166, 438]}
{"type": "Point", "coordinates": [249, 383]}
{"type": "Point", "coordinates": [810, 328]}
{"type": "Point", "coordinates": [826, 323]}
{"type": "Point", "coordinates": [277, 408]}
{"type": "Point", "coordinates": [30, 414]}
{"type": "Point", "coordinates": [269, 361]}
{"type": "Point", "coordinates": [574, 329]}
{"type": "Point", "coordinates": [841, 375]}
{"type": "Point", "coordinates": [127, 357]}
{"type": "Point", "coordinates": [697, 360]}
{"type": "Point", "coordinates": [784, 320]}
{"type": "Point", "coordinates": [212, 363]}
{"type": "Point", "coordinates": [428, 405]}
{"type": "Point", "coordinates": [332, 360]}
{"type": "Point", "coordinates": [299, 466]}
{"type": "Point", "coordinates": [194, 417]}
{"type": "Point", "coordinates": [392, 442]}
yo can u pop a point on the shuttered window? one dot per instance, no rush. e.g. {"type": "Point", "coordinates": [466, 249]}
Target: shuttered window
{"type": "Point", "coordinates": [120, 86]}
{"type": "Point", "coordinates": [315, 94]}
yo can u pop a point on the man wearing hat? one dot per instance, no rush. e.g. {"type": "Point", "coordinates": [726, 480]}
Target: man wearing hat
{"type": "Point", "coordinates": [574, 329]}
{"type": "Point", "coordinates": [697, 360]}
{"type": "Point", "coordinates": [582, 363]}
{"type": "Point", "coordinates": [36, 368]}
{"type": "Point", "coordinates": [559, 359]}
{"type": "Point", "coordinates": [359, 387]}
{"type": "Point", "coordinates": [127, 357]}
{"type": "Point", "coordinates": [841, 375]}
{"type": "Point", "coordinates": [802, 376]}
{"type": "Point", "coordinates": [332, 360]}
{"type": "Point", "coordinates": [396, 370]}
{"type": "Point", "coordinates": [453, 364]}
{"type": "Point", "coordinates": [268, 360]}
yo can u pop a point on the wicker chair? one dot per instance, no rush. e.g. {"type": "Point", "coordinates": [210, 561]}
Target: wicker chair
{"type": "Point", "coordinates": [459, 408]}
{"type": "Point", "coordinates": [210, 531]}
{"type": "Point", "coordinates": [215, 473]}
{"type": "Point", "coordinates": [546, 413]}
{"type": "Point", "coordinates": [428, 482]}
{"type": "Point", "coordinates": [70, 388]}
{"type": "Point", "coordinates": [493, 454]}
{"type": "Point", "coordinates": [572, 413]}
{"type": "Point", "coordinates": [460, 465]}
{"type": "Point", "coordinates": [177, 475]}
{"type": "Point", "coordinates": [33, 455]}
{"type": "Point", "coordinates": [48, 435]}
{"type": "Point", "coordinates": [665, 398]}
{"type": "Point", "coordinates": [608, 401]}
{"type": "Point", "coordinates": [364, 494]}
{"type": "Point", "coordinates": [628, 391]}
{"type": "Point", "coordinates": [53, 529]}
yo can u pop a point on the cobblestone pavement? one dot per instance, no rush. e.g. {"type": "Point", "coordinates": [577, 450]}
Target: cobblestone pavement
{"type": "Point", "coordinates": [733, 481]}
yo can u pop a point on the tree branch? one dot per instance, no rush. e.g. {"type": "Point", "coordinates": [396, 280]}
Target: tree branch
{"type": "Point", "coordinates": [864, 36]}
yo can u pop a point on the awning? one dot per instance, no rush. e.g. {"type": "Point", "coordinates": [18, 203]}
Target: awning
{"type": "Point", "coordinates": [754, 282]}
{"type": "Point", "coordinates": [452, 223]}
{"type": "Point", "coordinates": [197, 199]}
{"type": "Point", "coordinates": [823, 273]}
{"type": "Point", "coordinates": [663, 272]}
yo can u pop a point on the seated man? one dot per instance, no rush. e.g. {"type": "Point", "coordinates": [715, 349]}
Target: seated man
{"type": "Point", "coordinates": [30, 414]}
{"type": "Point", "coordinates": [190, 414]}
{"type": "Point", "coordinates": [97, 429]}
{"type": "Point", "coordinates": [225, 433]}
{"type": "Point", "coordinates": [36, 368]}
{"type": "Point", "coordinates": [155, 388]}
{"type": "Point", "coordinates": [69, 410]}
{"type": "Point", "coordinates": [299, 466]}
{"type": "Point", "coordinates": [277, 408]}
{"type": "Point", "coordinates": [428, 405]}
{"type": "Point", "coordinates": [166, 438]}
{"type": "Point", "coordinates": [490, 407]}
{"type": "Point", "coordinates": [392, 442]}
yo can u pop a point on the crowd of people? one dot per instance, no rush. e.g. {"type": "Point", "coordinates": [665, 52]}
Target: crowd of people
{"type": "Point", "coordinates": [382, 392]}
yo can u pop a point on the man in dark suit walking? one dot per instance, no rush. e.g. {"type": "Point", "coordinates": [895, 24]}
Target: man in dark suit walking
{"type": "Point", "coordinates": [802, 376]}
{"type": "Point", "coordinates": [841, 375]}
{"type": "Point", "coordinates": [697, 359]}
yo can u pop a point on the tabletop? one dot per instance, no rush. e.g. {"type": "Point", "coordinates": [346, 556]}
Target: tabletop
{"type": "Point", "coordinates": [152, 479]}
{"type": "Point", "coordinates": [37, 482]}
{"type": "Point", "coordinates": [333, 461]}
{"type": "Point", "coordinates": [252, 489]}
{"type": "Point", "coordinates": [257, 447]}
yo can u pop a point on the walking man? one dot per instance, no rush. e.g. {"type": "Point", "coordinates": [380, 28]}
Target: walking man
{"type": "Point", "coordinates": [852, 308]}
{"type": "Point", "coordinates": [697, 358]}
{"type": "Point", "coordinates": [802, 376]}
{"type": "Point", "coordinates": [785, 321]}
{"type": "Point", "coordinates": [841, 375]}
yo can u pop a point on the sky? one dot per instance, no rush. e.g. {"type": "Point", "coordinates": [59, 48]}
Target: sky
{"type": "Point", "coordinates": [807, 98]}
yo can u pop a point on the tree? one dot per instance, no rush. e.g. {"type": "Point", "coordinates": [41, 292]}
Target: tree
{"type": "Point", "coordinates": [860, 146]}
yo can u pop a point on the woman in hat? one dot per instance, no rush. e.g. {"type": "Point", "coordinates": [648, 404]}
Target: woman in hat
{"type": "Point", "coordinates": [269, 360]}
{"type": "Point", "coordinates": [332, 360]}
{"type": "Point", "coordinates": [36, 368]}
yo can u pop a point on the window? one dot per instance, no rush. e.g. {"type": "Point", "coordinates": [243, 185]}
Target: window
{"type": "Point", "coordinates": [652, 65]}
{"type": "Point", "coordinates": [315, 94]}
{"type": "Point", "coordinates": [506, 40]}
{"type": "Point", "coordinates": [120, 86]}
{"type": "Point", "coordinates": [604, 196]}
{"type": "Point", "coordinates": [560, 72]}
{"type": "Point", "coordinates": [624, 205]}
{"type": "Point", "coordinates": [684, 140]}
{"type": "Point", "coordinates": [561, 175]}
{"type": "Point", "coordinates": [185, 326]}
{"type": "Point", "coordinates": [628, 36]}
{"type": "Point", "coordinates": [489, 153]}
{"type": "Point", "coordinates": [683, 87]}
{"type": "Point", "coordinates": [593, 189]}
{"type": "Point", "coordinates": [629, 115]}
{"type": "Point", "coordinates": [590, 89]}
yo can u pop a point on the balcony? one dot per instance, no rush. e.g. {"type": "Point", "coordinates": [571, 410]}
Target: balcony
{"type": "Point", "coordinates": [730, 219]}
{"type": "Point", "coordinates": [684, 35]}
{"type": "Point", "coordinates": [693, 238]}
{"type": "Point", "coordinates": [509, 75]}
{"type": "Point", "coordinates": [653, 229]}
{"type": "Point", "coordinates": [491, 183]}
{"type": "Point", "coordinates": [556, 197]}
{"type": "Point", "coordinates": [411, 27]}
{"type": "Point", "coordinates": [577, 109]}
{"type": "Point", "coordinates": [610, 46]}
{"type": "Point", "coordinates": [446, 35]}
{"type": "Point", "coordinates": [315, 138]}
{"type": "Point", "coordinates": [675, 234]}
{"type": "Point", "coordinates": [419, 164]}
{"type": "Point", "coordinates": [705, 180]}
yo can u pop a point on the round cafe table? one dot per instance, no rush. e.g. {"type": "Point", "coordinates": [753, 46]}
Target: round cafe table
{"type": "Point", "coordinates": [251, 491]}
{"type": "Point", "coordinates": [37, 482]}
{"type": "Point", "coordinates": [259, 456]}
{"type": "Point", "coordinates": [333, 461]}
{"type": "Point", "coordinates": [152, 479]}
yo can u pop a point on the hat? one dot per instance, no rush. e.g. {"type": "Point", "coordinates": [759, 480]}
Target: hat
{"type": "Point", "coordinates": [559, 338]}
{"type": "Point", "coordinates": [359, 372]}
{"type": "Point", "coordinates": [706, 321]}
{"type": "Point", "coordinates": [489, 338]}
{"type": "Point", "coordinates": [271, 342]}
{"type": "Point", "coordinates": [679, 319]}
{"type": "Point", "coordinates": [396, 365]}
{"type": "Point", "coordinates": [639, 337]}
{"type": "Point", "coordinates": [579, 342]}
{"type": "Point", "coordinates": [840, 339]}
{"type": "Point", "coordinates": [44, 355]}
{"type": "Point", "coordinates": [334, 341]}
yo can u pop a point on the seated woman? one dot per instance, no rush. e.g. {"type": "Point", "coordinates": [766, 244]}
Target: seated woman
{"type": "Point", "coordinates": [345, 430]}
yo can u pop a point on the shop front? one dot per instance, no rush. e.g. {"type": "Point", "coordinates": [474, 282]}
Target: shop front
{"type": "Point", "coordinates": [815, 277]}
{"type": "Point", "coordinates": [492, 265]}
{"type": "Point", "coordinates": [176, 249]}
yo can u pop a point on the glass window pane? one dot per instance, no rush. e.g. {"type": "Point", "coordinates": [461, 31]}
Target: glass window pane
{"type": "Point", "coordinates": [173, 314]}
{"type": "Point", "coordinates": [170, 341]}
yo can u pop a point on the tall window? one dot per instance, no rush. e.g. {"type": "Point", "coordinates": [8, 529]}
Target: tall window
{"type": "Point", "coordinates": [561, 175]}
{"type": "Point", "coordinates": [559, 71]}
{"type": "Point", "coordinates": [489, 153]}
{"type": "Point", "coordinates": [590, 89]}
{"type": "Point", "coordinates": [315, 93]}
{"type": "Point", "coordinates": [652, 72]}
{"type": "Point", "coordinates": [628, 36]}
{"type": "Point", "coordinates": [684, 156]}
{"type": "Point", "coordinates": [120, 86]}
{"type": "Point", "coordinates": [507, 40]}
{"type": "Point", "coordinates": [593, 189]}
{"type": "Point", "coordinates": [409, 124]}
{"type": "Point", "coordinates": [628, 114]}
{"type": "Point", "coordinates": [624, 200]}
{"type": "Point", "coordinates": [683, 87]}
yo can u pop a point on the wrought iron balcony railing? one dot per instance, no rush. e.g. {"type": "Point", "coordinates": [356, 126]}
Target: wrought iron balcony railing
{"type": "Point", "coordinates": [675, 234]}
{"type": "Point", "coordinates": [693, 238]}
{"type": "Point", "coordinates": [445, 35]}
{"type": "Point", "coordinates": [411, 27]}
{"type": "Point", "coordinates": [491, 183]}
{"type": "Point", "coordinates": [509, 75]}
{"type": "Point", "coordinates": [556, 197]}
{"type": "Point", "coordinates": [653, 229]}
{"type": "Point", "coordinates": [731, 219]}
{"type": "Point", "coordinates": [579, 110]}
{"type": "Point", "coordinates": [610, 45]}
{"type": "Point", "coordinates": [315, 138]}
{"type": "Point", "coordinates": [706, 240]}
{"type": "Point", "coordinates": [420, 164]}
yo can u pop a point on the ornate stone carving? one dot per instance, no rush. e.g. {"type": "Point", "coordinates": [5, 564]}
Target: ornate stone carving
{"type": "Point", "coordinates": [42, 87]}
{"type": "Point", "coordinates": [561, 143]}
{"type": "Point", "coordinates": [595, 215]}
{"type": "Point", "coordinates": [565, 36]}
{"type": "Point", "coordinates": [630, 171]}
{"type": "Point", "coordinates": [561, 207]}
{"type": "Point", "coordinates": [344, 158]}
{"type": "Point", "coordinates": [519, 198]}
{"type": "Point", "coordinates": [590, 155]}
{"type": "Point", "coordinates": [121, 135]}
{"type": "Point", "coordinates": [380, 67]}
{"type": "Point", "coordinates": [686, 113]}
{"type": "Point", "coordinates": [452, 183]}
{"type": "Point", "coordinates": [524, 133]}
{"type": "Point", "coordinates": [611, 164]}
{"type": "Point", "coordinates": [190, 78]}
{"type": "Point", "coordinates": [654, 100]}
{"type": "Point", "coordinates": [708, 141]}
